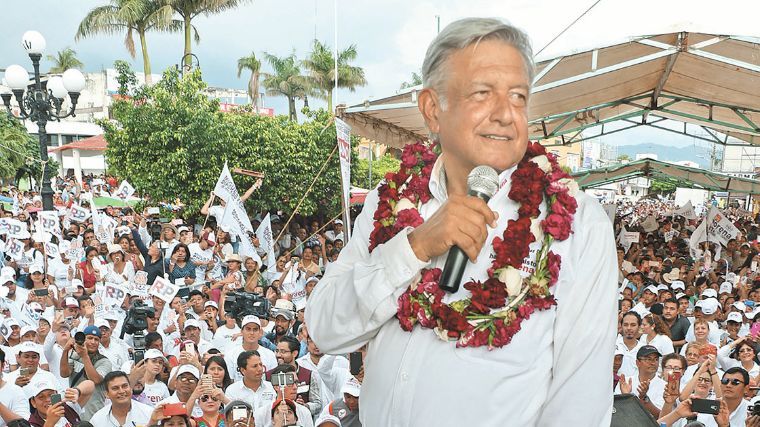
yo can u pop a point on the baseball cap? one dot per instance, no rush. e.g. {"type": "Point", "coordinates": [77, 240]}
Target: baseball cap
{"type": "Point", "coordinates": [77, 283]}
{"type": "Point", "coordinates": [92, 330]}
{"type": "Point", "coordinates": [192, 323]}
{"type": "Point", "coordinates": [678, 284]}
{"type": "Point", "coordinates": [726, 288]}
{"type": "Point", "coordinates": [26, 329]}
{"type": "Point", "coordinates": [651, 288]}
{"type": "Point", "coordinates": [250, 319]}
{"type": "Point", "coordinates": [189, 369]}
{"type": "Point", "coordinates": [740, 305]}
{"type": "Point", "coordinates": [680, 295]}
{"type": "Point", "coordinates": [663, 288]}
{"type": "Point", "coordinates": [619, 351]}
{"type": "Point", "coordinates": [71, 301]}
{"type": "Point", "coordinates": [709, 293]}
{"type": "Point", "coordinates": [29, 347]}
{"type": "Point", "coordinates": [36, 268]}
{"type": "Point", "coordinates": [236, 403]}
{"type": "Point", "coordinates": [211, 304]}
{"type": "Point", "coordinates": [327, 418]}
{"type": "Point", "coordinates": [7, 278]}
{"type": "Point", "coordinates": [8, 271]}
{"type": "Point", "coordinates": [351, 387]}
{"type": "Point", "coordinates": [154, 354]}
{"type": "Point", "coordinates": [708, 305]}
{"type": "Point", "coordinates": [37, 387]}
{"type": "Point", "coordinates": [101, 323]}
{"type": "Point", "coordinates": [338, 222]}
{"type": "Point", "coordinates": [181, 229]}
{"type": "Point", "coordinates": [288, 402]}
{"type": "Point", "coordinates": [646, 351]}
{"type": "Point", "coordinates": [734, 316]}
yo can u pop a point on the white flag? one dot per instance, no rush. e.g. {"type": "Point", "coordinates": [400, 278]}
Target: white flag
{"type": "Point", "coordinates": [125, 190]}
{"type": "Point", "coordinates": [686, 211]}
{"type": "Point", "coordinates": [266, 241]}
{"type": "Point", "coordinates": [78, 213]}
{"type": "Point", "coordinates": [343, 132]}
{"type": "Point", "coordinates": [714, 228]}
{"type": "Point", "coordinates": [234, 214]}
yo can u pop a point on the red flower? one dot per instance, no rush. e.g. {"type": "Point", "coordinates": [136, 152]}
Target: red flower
{"type": "Point", "coordinates": [409, 218]}
{"type": "Point", "coordinates": [451, 319]}
{"type": "Point", "coordinates": [554, 263]}
{"type": "Point", "coordinates": [558, 226]}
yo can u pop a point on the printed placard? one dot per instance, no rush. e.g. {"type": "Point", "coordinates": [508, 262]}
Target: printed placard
{"type": "Point", "coordinates": [163, 289]}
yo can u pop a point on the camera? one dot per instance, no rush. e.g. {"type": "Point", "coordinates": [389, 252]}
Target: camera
{"type": "Point", "coordinates": [79, 338]}
{"type": "Point", "coordinates": [241, 304]}
{"type": "Point", "coordinates": [753, 409]}
{"type": "Point", "coordinates": [137, 318]}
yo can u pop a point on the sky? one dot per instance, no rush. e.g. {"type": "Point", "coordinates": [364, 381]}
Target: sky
{"type": "Point", "coordinates": [391, 35]}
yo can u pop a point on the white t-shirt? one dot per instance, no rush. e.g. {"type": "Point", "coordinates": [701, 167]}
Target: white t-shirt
{"type": "Point", "coordinates": [199, 255]}
{"type": "Point", "coordinates": [126, 275]}
{"type": "Point", "coordinates": [59, 271]}
{"type": "Point", "coordinates": [41, 376]}
{"type": "Point", "coordinates": [223, 336]}
{"type": "Point", "coordinates": [155, 392]}
{"type": "Point", "coordinates": [139, 415]}
{"type": "Point", "coordinates": [628, 367]}
{"type": "Point", "coordinates": [197, 411]}
{"type": "Point", "coordinates": [13, 397]}
{"type": "Point", "coordinates": [263, 416]}
{"type": "Point", "coordinates": [662, 343]}
{"type": "Point", "coordinates": [234, 349]}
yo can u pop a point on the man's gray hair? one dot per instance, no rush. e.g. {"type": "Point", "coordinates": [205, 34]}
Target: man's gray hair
{"type": "Point", "coordinates": [465, 32]}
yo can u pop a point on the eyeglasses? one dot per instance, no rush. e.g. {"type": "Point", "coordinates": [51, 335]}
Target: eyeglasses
{"type": "Point", "coordinates": [674, 368]}
{"type": "Point", "coordinates": [746, 350]}
{"type": "Point", "coordinates": [206, 397]}
{"type": "Point", "coordinates": [706, 380]}
{"type": "Point", "coordinates": [187, 380]}
{"type": "Point", "coordinates": [734, 381]}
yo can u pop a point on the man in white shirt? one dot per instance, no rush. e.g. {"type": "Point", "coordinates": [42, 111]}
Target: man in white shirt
{"type": "Point", "coordinates": [122, 410]}
{"type": "Point", "coordinates": [475, 99]}
{"type": "Point", "coordinates": [250, 329]}
{"type": "Point", "coordinates": [336, 232]}
{"type": "Point", "coordinates": [647, 385]}
{"type": "Point", "coordinates": [628, 344]}
{"type": "Point", "coordinates": [193, 333]}
{"type": "Point", "coordinates": [253, 388]}
{"type": "Point", "coordinates": [187, 379]}
{"type": "Point", "coordinates": [14, 404]}
{"type": "Point", "coordinates": [29, 371]}
{"type": "Point", "coordinates": [115, 350]}
{"type": "Point", "coordinates": [333, 370]}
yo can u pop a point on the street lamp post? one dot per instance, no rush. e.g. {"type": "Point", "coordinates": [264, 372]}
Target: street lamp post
{"type": "Point", "coordinates": [41, 102]}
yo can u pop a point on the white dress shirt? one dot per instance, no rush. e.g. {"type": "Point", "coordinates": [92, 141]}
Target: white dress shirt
{"type": "Point", "coordinates": [138, 415]}
{"type": "Point", "coordinates": [263, 396]}
{"type": "Point", "coordinates": [562, 355]}
{"type": "Point", "coordinates": [628, 367]}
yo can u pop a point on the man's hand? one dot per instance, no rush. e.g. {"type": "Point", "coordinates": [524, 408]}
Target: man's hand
{"type": "Point", "coordinates": [461, 221]}
{"type": "Point", "coordinates": [626, 387]}
{"type": "Point", "coordinates": [753, 421]}
{"type": "Point", "coordinates": [722, 419]}
{"type": "Point", "coordinates": [683, 409]}
{"type": "Point", "coordinates": [55, 413]}
{"type": "Point", "coordinates": [23, 380]}
{"type": "Point", "coordinates": [81, 351]}
{"type": "Point", "coordinates": [643, 389]}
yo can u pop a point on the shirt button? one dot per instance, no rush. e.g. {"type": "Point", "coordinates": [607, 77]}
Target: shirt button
{"type": "Point", "coordinates": [404, 376]}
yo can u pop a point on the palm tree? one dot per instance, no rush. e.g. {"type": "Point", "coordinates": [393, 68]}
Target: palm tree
{"type": "Point", "coordinates": [189, 9]}
{"type": "Point", "coordinates": [134, 16]}
{"type": "Point", "coordinates": [64, 60]}
{"type": "Point", "coordinates": [415, 81]}
{"type": "Point", "coordinates": [321, 66]}
{"type": "Point", "coordinates": [286, 80]}
{"type": "Point", "coordinates": [253, 64]}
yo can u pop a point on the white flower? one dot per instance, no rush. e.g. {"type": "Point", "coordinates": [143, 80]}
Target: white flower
{"type": "Point", "coordinates": [570, 184]}
{"type": "Point", "coordinates": [543, 163]}
{"type": "Point", "coordinates": [403, 204]}
{"type": "Point", "coordinates": [511, 277]}
{"type": "Point", "coordinates": [535, 229]}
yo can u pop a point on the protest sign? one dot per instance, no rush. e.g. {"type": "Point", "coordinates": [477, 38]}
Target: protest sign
{"type": "Point", "coordinates": [163, 289]}
{"type": "Point", "coordinates": [628, 238]}
{"type": "Point", "coordinates": [5, 225]}
{"type": "Point", "coordinates": [113, 294]}
{"type": "Point", "coordinates": [650, 224]}
{"type": "Point", "coordinates": [78, 213]}
{"type": "Point", "coordinates": [49, 222]}
{"type": "Point", "coordinates": [266, 241]}
{"type": "Point", "coordinates": [14, 249]}
{"type": "Point", "coordinates": [125, 190]}
{"type": "Point", "coordinates": [17, 229]}
{"type": "Point", "coordinates": [235, 215]}
{"type": "Point", "coordinates": [51, 250]}
{"type": "Point", "coordinates": [76, 251]}
{"type": "Point", "coordinates": [686, 211]}
{"type": "Point", "coordinates": [343, 133]}
{"type": "Point", "coordinates": [139, 285]}
{"type": "Point", "coordinates": [714, 228]}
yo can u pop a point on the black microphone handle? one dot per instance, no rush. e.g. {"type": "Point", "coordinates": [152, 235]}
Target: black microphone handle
{"type": "Point", "coordinates": [456, 260]}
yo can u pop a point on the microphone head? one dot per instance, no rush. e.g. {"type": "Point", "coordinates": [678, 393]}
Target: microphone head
{"type": "Point", "coordinates": [483, 179]}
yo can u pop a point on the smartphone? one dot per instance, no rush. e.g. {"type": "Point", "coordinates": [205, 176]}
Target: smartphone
{"type": "Point", "coordinates": [190, 347]}
{"type": "Point", "coordinates": [138, 355]}
{"type": "Point", "coordinates": [171, 409]}
{"type": "Point", "coordinates": [355, 362]}
{"type": "Point", "coordinates": [705, 406]}
{"type": "Point", "coordinates": [239, 412]}
{"type": "Point", "coordinates": [24, 371]}
{"type": "Point", "coordinates": [41, 292]}
{"type": "Point", "coordinates": [283, 379]}
{"type": "Point", "coordinates": [207, 381]}
{"type": "Point", "coordinates": [674, 381]}
{"type": "Point", "coordinates": [55, 398]}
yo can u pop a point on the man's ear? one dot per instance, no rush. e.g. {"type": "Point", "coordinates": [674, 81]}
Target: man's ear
{"type": "Point", "coordinates": [429, 105]}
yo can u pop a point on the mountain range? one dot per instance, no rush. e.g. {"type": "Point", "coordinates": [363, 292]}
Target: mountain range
{"type": "Point", "coordinates": [667, 153]}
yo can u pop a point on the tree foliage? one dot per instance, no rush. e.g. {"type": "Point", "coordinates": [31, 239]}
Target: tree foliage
{"type": "Point", "coordinates": [20, 152]}
{"type": "Point", "coordinates": [416, 80]}
{"type": "Point", "coordinates": [380, 166]}
{"type": "Point", "coordinates": [286, 80]}
{"type": "Point", "coordinates": [171, 141]}
{"type": "Point", "coordinates": [663, 186]}
{"type": "Point", "coordinates": [252, 64]}
{"type": "Point", "coordinates": [321, 66]}
{"type": "Point", "coordinates": [63, 60]}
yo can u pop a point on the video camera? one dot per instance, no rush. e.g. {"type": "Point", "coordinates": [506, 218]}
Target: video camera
{"type": "Point", "coordinates": [241, 304]}
{"type": "Point", "coordinates": [137, 318]}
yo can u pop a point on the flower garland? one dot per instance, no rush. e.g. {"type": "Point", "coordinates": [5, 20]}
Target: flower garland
{"type": "Point", "coordinates": [493, 313]}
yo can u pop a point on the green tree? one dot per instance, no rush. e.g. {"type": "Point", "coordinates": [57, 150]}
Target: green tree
{"type": "Point", "coordinates": [125, 77]}
{"type": "Point", "coordinates": [190, 9]}
{"type": "Point", "coordinates": [13, 142]}
{"type": "Point", "coordinates": [170, 141]}
{"type": "Point", "coordinates": [416, 80]}
{"type": "Point", "coordinates": [254, 66]}
{"type": "Point", "coordinates": [663, 186]}
{"type": "Point", "coordinates": [286, 80]}
{"type": "Point", "coordinates": [132, 16]}
{"type": "Point", "coordinates": [380, 166]}
{"type": "Point", "coordinates": [64, 60]}
{"type": "Point", "coordinates": [623, 157]}
{"type": "Point", "coordinates": [321, 66]}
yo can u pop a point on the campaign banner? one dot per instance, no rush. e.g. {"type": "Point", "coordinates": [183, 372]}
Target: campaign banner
{"type": "Point", "coordinates": [16, 229]}
{"type": "Point", "coordinates": [125, 190]}
{"type": "Point", "coordinates": [266, 241]}
{"type": "Point", "coordinates": [627, 238]}
{"type": "Point", "coordinates": [650, 224]}
{"type": "Point", "coordinates": [235, 215]}
{"type": "Point", "coordinates": [139, 284]}
{"type": "Point", "coordinates": [343, 133]}
{"type": "Point", "coordinates": [163, 289]}
{"type": "Point", "coordinates": [113, 294]}
{"type": "Point", "coordinates": [49, 222]}
{"type": "Point", "coordinates": [78, 213]}
{"type": "Point", "coordinates": [75, 252]}
{"type": "Point", "coordinates": [5, 225]}
{"type": "Point", "coordinates": [686, 211]}
{"type": "Point", "coordinates": [14, 249]}
{"type": "Point", "coordinates": [714, 228]}
{"type": "Point", "coordinates": [51, 250]}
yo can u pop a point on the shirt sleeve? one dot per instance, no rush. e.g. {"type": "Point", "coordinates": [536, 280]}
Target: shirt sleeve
{"type": "Point", "coordinates": [356, 296]}
{"type": "Point", "coordinates": [585, 325]}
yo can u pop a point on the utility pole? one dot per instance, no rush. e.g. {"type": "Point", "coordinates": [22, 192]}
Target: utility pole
{"type": "Point", "coordinates": [438, 23]}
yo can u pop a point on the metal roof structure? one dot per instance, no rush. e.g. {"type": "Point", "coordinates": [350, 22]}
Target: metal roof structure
{"type": "Point", "coordinates": [684, 176]}
{"type": "Point", "coordinates": [707, 80]}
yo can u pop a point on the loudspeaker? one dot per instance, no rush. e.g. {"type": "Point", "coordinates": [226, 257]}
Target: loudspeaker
{"type": "Point", "coordinates": [627, 411]}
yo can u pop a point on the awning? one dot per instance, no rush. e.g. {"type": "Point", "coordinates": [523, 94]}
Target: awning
{"type": "Point", "coordinates": [683, 176]}
{"type": "Point", "coordinates": [93, 143]}
{"type": "Point", "coordinates": [708, 80]}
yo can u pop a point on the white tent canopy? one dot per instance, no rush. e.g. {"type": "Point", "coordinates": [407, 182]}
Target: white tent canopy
{"type": "Point", "coordinates": [708, 80]}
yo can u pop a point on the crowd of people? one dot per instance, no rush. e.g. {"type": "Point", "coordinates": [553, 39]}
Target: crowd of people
{"type": "Point", "coordinates": [87, 336]}
{"type": "Point", "coordinates": [688, 343]}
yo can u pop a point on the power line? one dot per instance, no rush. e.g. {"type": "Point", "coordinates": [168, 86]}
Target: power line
{"type": "Point", "coordinates": [568, 27]}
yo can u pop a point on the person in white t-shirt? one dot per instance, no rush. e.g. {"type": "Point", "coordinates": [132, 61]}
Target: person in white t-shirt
{"type": "Point", "coordinates": [122, 410]}
{"type": "Point", "coordinates": [253, 388]}
{"type": "Point", "coordinates": [656, 334]}
{"type": "Point", "coordinates": [153, 390]}
{"type": "Point", "coordinates": [646, 385]}
{"type": "Point", "coordinates": [225, 333]}
{"type": "Point", "coordinates": [13, 402]}
{"type": "Point", "coordinates": [29, 371]}
{"type": "Point", "coordinates": [202, 256]}
{"type": "Point", "coordinates": [251, 334]}
{"type": "Point", "coordinates": [187, 380]}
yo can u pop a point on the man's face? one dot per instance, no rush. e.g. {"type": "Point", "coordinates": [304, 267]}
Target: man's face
{"type": "Point", "coordinates": [254, 369]}
{"type": "Point", "coordinates": [196, 301]}
{"type": "Point", "coordinates": [193, 334]}
{"type": "Point", "coordinates": [119, 391]}
{"type": "Point", "coordinates": [731, 390]}
{"type": "Point", "coordinates": [186, 383]}
{"type": "Point", "coordinates": [648, 365]}
{"type": "Point", "coordinates": [351, 401]}
{"type": "Point", "coordinates": [630, 327]}
{"type": "Point", "coordinates": [29, 359]}
{"type": "Point", "coordinates": [158, 304]}
{"type": "Point", "coordinates": [291, 391]}
{"type": "Point", "coordinates": [485, 117]}
{"type": "Point", "coordinates": [683, 304]}
{"type": "Point", "coordinates": [91, 343]}
{"type": "Point", "coordinates": [648, 298]}
{"type": "Point", "coordinates": [284, 355]}
{"type": "Point", "coordinates": [105, 333]}
{"type": "Point", "coordinates": [281, 325]}
{"type": "Point", "coordinates": [669, 310]}
{"type": "Point", "coordinates": [251, 333]}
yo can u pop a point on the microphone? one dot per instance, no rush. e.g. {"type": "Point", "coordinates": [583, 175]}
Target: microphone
{"type": "Point", "coordinates": [482, 182]}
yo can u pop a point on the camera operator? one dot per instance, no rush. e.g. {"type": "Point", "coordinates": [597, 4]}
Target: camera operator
{"type": "Point", "coordinates": [251, 333]}
{"type": "Point", "coordinates": [86, 363]}
{"type": "Point", "coordinates": [284, 318]}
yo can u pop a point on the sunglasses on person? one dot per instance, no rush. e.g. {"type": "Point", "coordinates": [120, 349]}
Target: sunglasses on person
{"type": "Point", "coordinates": [206, 397]}
{"type": "Point", "coordinates": [734, 381]}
